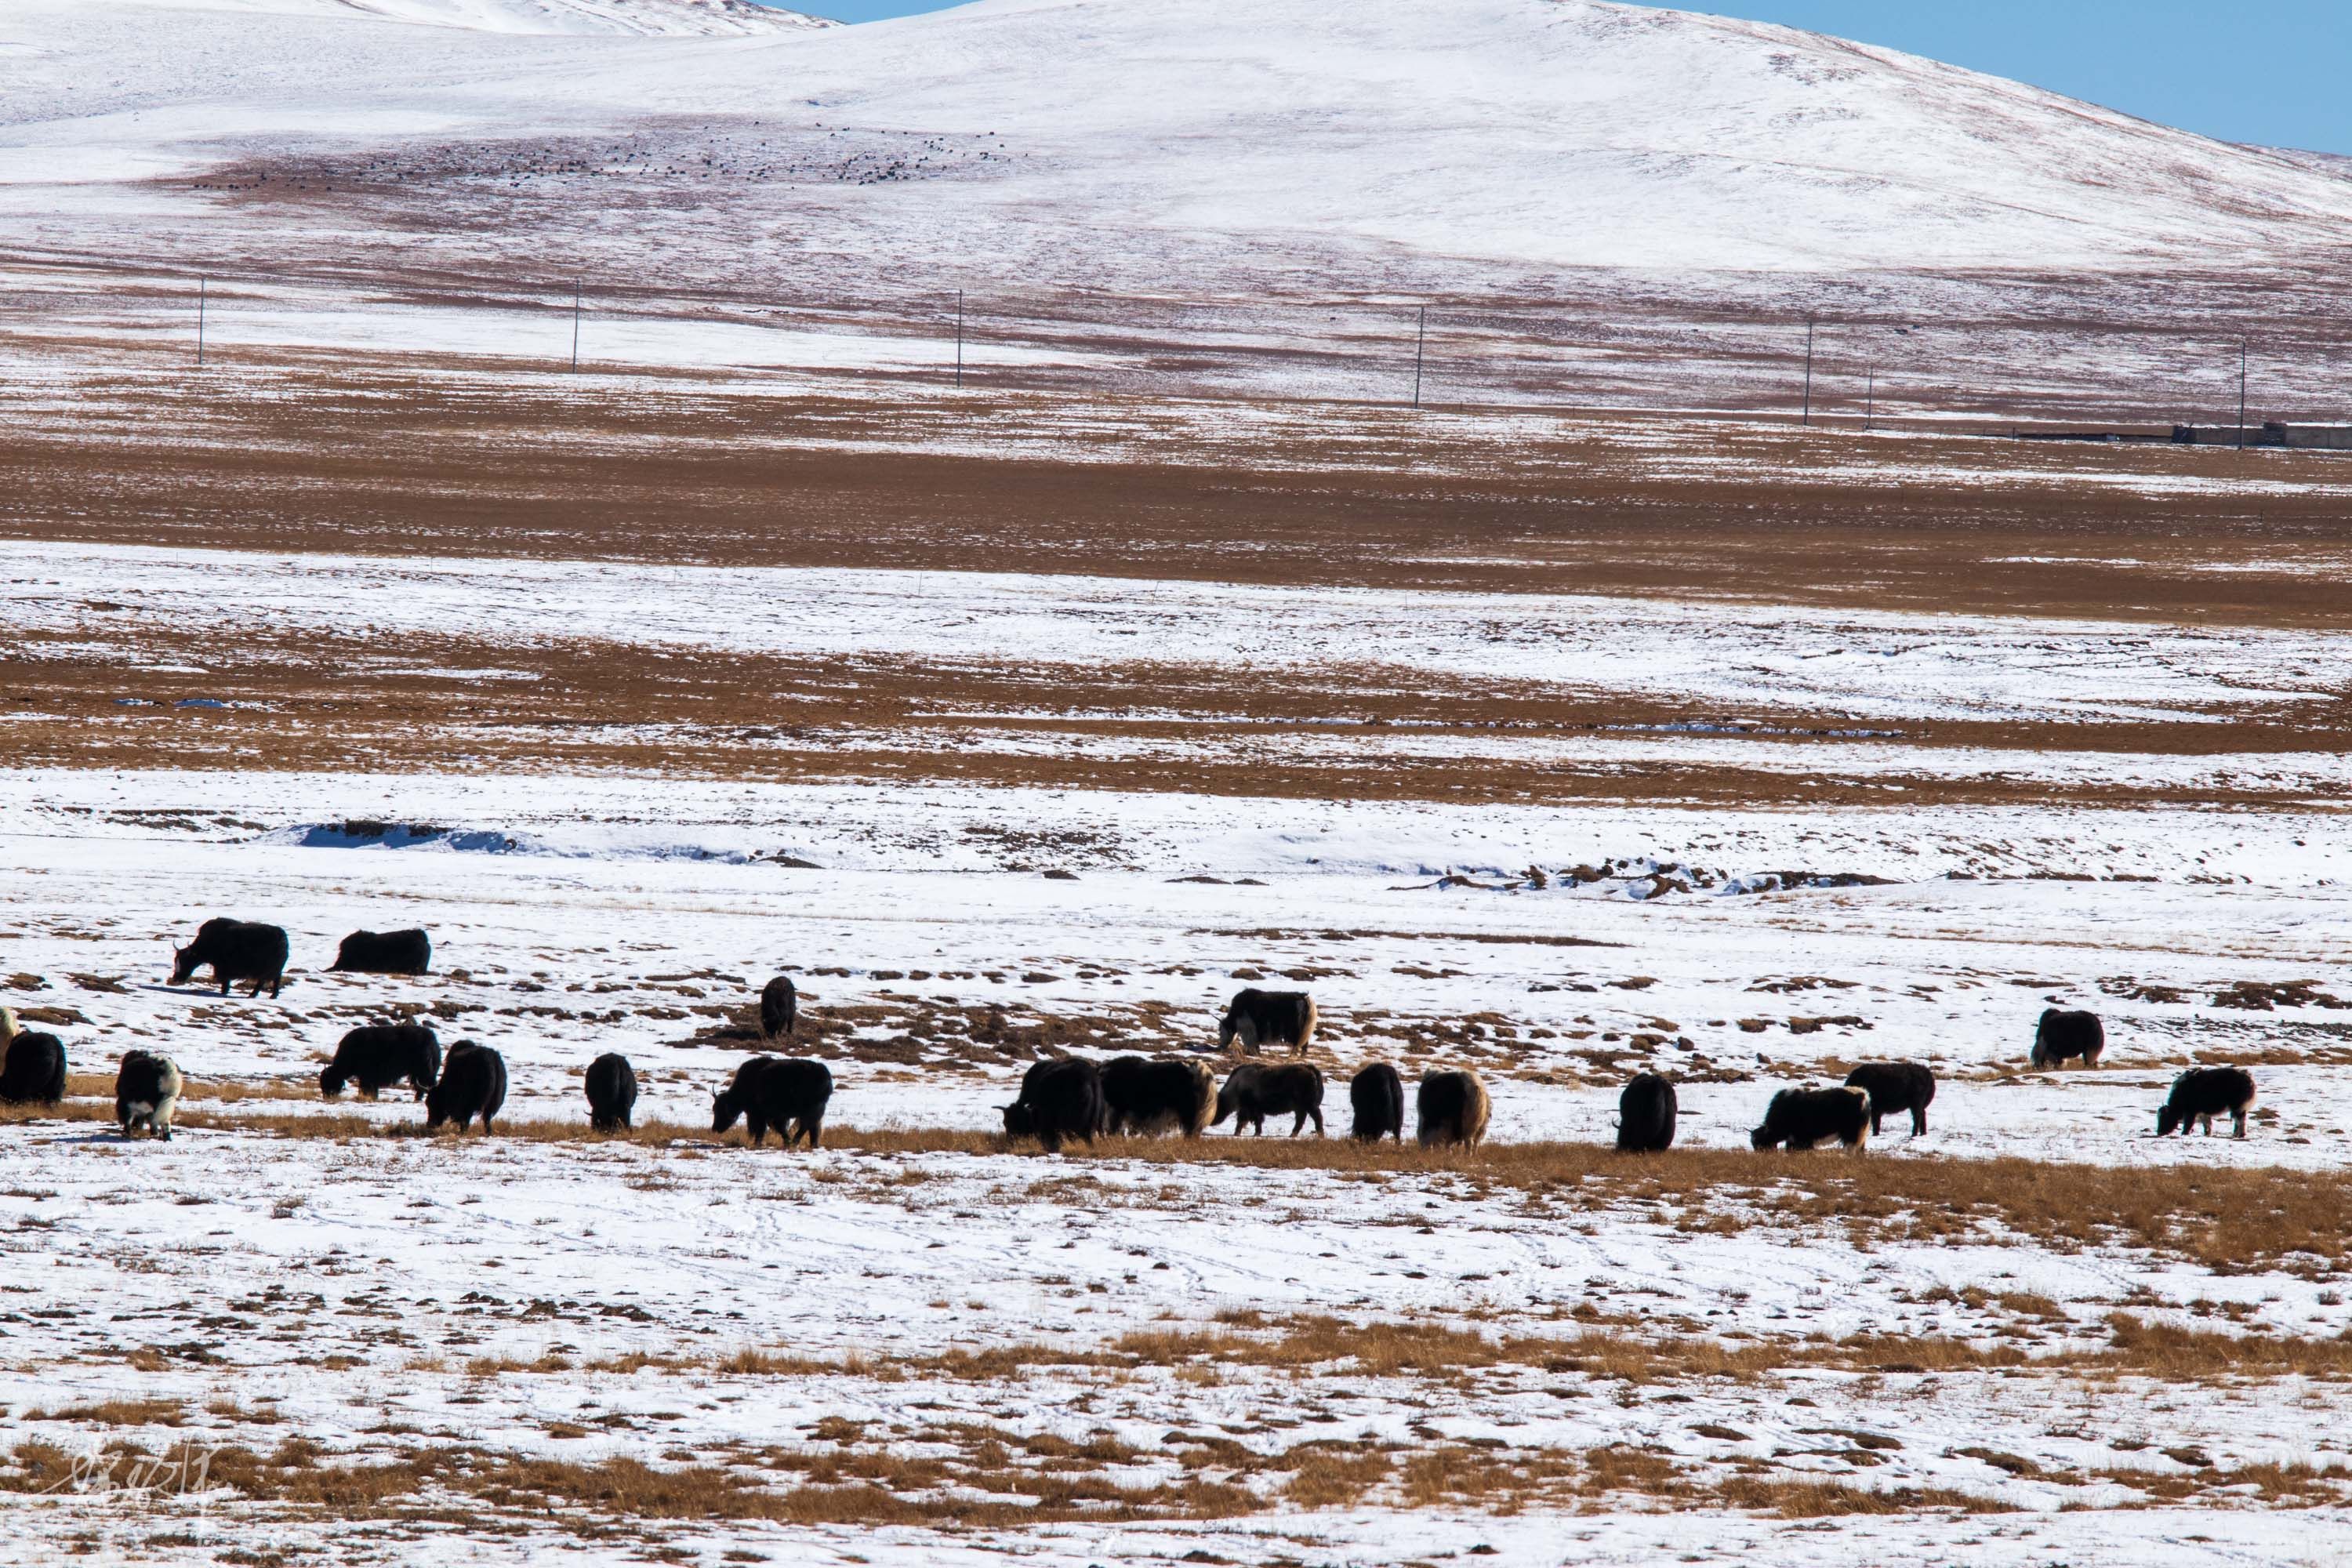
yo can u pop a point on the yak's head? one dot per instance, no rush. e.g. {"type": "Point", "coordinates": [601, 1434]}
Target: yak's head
{"type": "Point", "coordinates": [726, 1107]}
{"type": "Point", "coordinates": [331, 1079]}
{"type": "Point", "coordinates": [184, 963]}
{"type": "Point", "coordinates": [1019, 1120]}
{"type": "Point", "coordinates": [2169, 1117]}
{"type": "Point", "coordinates": [1763, 1138]}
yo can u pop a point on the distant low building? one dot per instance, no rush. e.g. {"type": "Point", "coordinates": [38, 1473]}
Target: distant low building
{"type": "Point", "coordinates": [2299, 437]}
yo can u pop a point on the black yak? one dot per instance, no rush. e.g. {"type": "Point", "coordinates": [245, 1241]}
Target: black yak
{"type": "Point", "coordinates": [1061, 1098]}
{"type": "Point", "coordinates": [1142, 1097]}
{"type": "Point", "coordinates": [1895, 1088]}
{"type": "Point", "coordinates": [1645, 1115]}
{"type": "Point", "coordinates": [384, 952]}
{"type": "Point", "coordinates": [1254, 1091]}
{"type": "Point", "coordinates": [472, 1083]}
{"type": "Point", "coordinates": [1452, 1108]}
{"type": "Point", "coordinates": [1254, 1016]}
{"type": "Point", "coordinates": [2060, 1037]}
{"type": "Point", "coordinates": [2201, 1094]}
{"type": "Point", "coordinates": [787, 1093]}
{"type": "Point", "coordinates": [146, 1090]}
{"type": "Point", "coordinates": [1800, 1118]}
{"type": "Point", "coordinates": [32, 1065]}
{"type": "Point", "coordinates": [612, 1091]}
{"type": "Point", "coordinates": [378, 1056]}
{"type": "Point", "coordinates": [237, 949]}
{"type": "Point", "coordinates": [780, 1003]}
{"type": "Point", "coordinates": [1376, 1095]}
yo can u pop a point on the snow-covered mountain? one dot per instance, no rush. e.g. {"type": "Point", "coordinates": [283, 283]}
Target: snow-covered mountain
{"type": "Point", "coordinates": [1105, 141]}
{"type": "Point", "coordinates": [637, 18]}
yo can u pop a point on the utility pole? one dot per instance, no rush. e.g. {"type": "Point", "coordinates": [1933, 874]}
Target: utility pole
{"type": "Point", "coordinates": [2241, 394]}
{"type": "Point", "coordinates": [575, 325]}
{"type": "Point", "coordinates": [1809, 370]}
{"type": "Point", "coordinates": [1420, 348]}
{"type": "Point", "coordinates": [959, 338]}
{"type": "Point", "coordinates": [200, 323]}
{"type": "Point", "coordinates": [1870, 404]}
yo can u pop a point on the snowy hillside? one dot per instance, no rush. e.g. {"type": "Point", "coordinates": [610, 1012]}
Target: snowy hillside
{"type": "Point", "coordinates": [637, 18]}
{"type": "Point", "coordinates": [1091, 136]}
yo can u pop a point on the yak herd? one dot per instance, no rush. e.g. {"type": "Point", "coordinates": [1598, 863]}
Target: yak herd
{"type": "Point", "coordinates": [1062, 1099]}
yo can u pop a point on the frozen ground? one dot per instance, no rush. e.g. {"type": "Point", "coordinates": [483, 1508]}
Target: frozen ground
{"type": "Point", "coordinates": [2002, 1341]}
{"type": "Point", "coordinates": [392, 1302]}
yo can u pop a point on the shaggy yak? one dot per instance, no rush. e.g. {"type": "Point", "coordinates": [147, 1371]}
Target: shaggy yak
{"type": "Point", "coordinates": [237, 949]}
{"type": "Point", "coordinates": [612, 1093]}
{"type": "Point", "coordinates": [2201, 1094]}
{"type": "Point", "coordinates": [1452, 1108]}
{"type": "Point", "coordinates": [1254, 1091]}
{"type": "Point", "coordinates": [1377, 1093]}
{"type": "Point", "coordinates": [146, 1089]}
{"type": "Point", "coordinates": [1895, 1088]}
{"type": "Point", "coordinates": [1253, 1017]}
{"type": "Point", "coordinates": [1645, 1115]}
{"type": "Point", "coordinates": [32, 1065]}
{"type": "Point", "coordinates": [1143, 1097]}
{"type": "Point", "coordinates": [472, 1083]}
{"type": "Point", "coordinates": [780, 1003]}
{"type": "Point", "coordinates": [787, 1093]}
{"type": "Point", "coordinates": [381, 1055]}
{"type": "Point", "coordinates": [2060, 1037]}
{"type": "Point", "coordinates": [1800, 1118]}
{"type": "Point", "coordinates": [384, 952]}
{"type": "Point", "coordinates": [1061, 1098]}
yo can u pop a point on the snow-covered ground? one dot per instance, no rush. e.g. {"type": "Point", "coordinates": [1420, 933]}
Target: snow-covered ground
{"type": "Point", "coordinates": [391, 1299]}
{"type": "Point", "coordinates": [1160, 1359]}
{"type": "Point", "coordinates": [1869, 668]}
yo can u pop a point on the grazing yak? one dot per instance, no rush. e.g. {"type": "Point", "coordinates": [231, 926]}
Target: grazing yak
{"type": "Point", "coordinates": [1145, 1096]}
{"type": "Point", "coordinates": [146, 1090]}
{"type": "Point", "coordinates": [1377, 1093]}
{"type": "Point", "coordinates": [780, 1003]}
{"type": "Point", "coordinates": [1645, 1116]}
{"type": "Point", "coordinates": [383, 953]}
{"type": "Point", "coordinates": [1254, 1091]}
{"type": "Point", "coordinates": [2062, 1036]}
{"type": "Point", "coordinates": [2201, 1094]}
{"type": "Point", "coordinates": [1453, 1109]}
{"type": "Point", "coordinates": [1061, 1098]}
{"type": "Point", "coordinates": [378, 1056]}
{"type": "Point", "coordinates": [1893, 1088]}
{"type": "Point", "coordinates": [612, 1091]}
{"type": "Point", "coordinates": [472, 1083]}
{"type": "Point", "coordinates": [1800, 1118]}
{"type": "Point", "coordinates": [32, 1066]}
{"type": "Point", "coordinates": [237, 949]}
{"type": "Point", "coordinates": [1254, 1016]}
{"type": "Point", "coordinates": [787, 1093]}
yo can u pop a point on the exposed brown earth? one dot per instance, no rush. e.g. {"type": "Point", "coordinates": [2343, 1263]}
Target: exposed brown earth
{"type": "Point", "coordinates": [393, 457]}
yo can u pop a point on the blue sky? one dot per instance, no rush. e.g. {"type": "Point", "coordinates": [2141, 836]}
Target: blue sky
{"type": "Point", "coordinates": [2273, 72]}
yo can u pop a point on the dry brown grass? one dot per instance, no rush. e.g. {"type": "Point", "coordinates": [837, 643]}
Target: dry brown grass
{"type": "Point", "coordinates": [2227, 1220]}
{"type": "Point", "coordinates": [118, 1413]}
